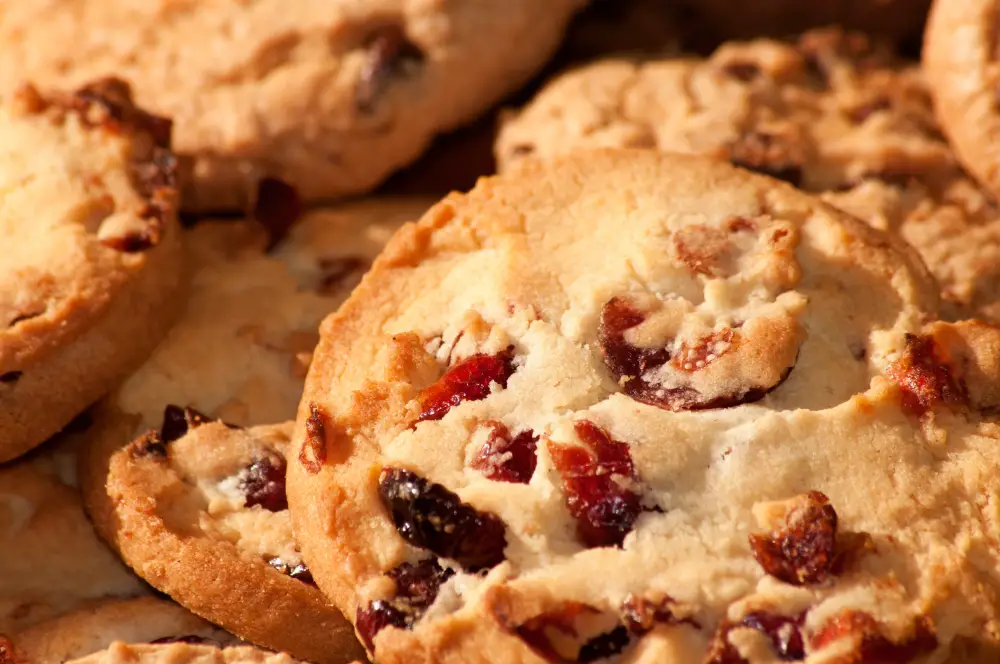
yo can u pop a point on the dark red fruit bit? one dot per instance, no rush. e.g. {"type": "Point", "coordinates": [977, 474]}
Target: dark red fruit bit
{"type": "Point", "coordinates": [506, 458]}
{"type": "Point", "coordinates": [924, 378]}
{"type": "Point", "coordinates": [784, 633]}
{"type": "Point", "coordinates": [703, 352]}
{"type": "Point", "coordinates": [767, 154]}
{"type": "Point", "coordinates": [742, 71]}
{"type": "Point", "coordinates": [390, 54]}
{"type": "Point", "coordinates": [604, 645]}
{"type": "Point", "coordinates": [197, 640]}
{"type": "Point", "coordinates": [113, 98]}
{"type": "Point", "coordinates": [135, 242]}
{"type": "Point", "coordinates": [263, 483]}
{"type": "Point", "coordinates": [178, 421]}
{"type": "Point", "coordinates": [805, 552]}
{"type": "Point", "coordinates": [624, 359]}
{"type": "Point", "coordinates": [336, 271]}
{"type": "Point", "coordinates": [871, 646]}
{"type": "Point", "coordinates": [312, 455]}
{"type": "Point", "coordinates": [417, 586]}
{"type": "Point", "coordinates": [299, 572]}
{"type": "Point", "coordinates": [276, 206]}
{"type": "Point", "coordinates": [11, 376]}
{"type": "Point", "coordinates": [469, 380]}
{"type": "Point", "coordinates": [7, 654]}
{"type": "Point", "coordinates": [150, 445]}
{"type": "Point", "coordinates": [537, 634]}
{"type": "Point", "coordinates": [431, 517]}
{"type": "Point", "coordinates": [641, 615]}
{"type": "Point", "coordinates": [595, 477]}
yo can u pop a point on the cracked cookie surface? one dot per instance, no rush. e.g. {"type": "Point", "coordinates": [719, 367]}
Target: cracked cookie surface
{"type": "Point", "coordinates": [632, 404]}
{"type": "Point", "coordinates": [833, 113]}
{"type": "Point", "coordinates": [238, 354]}
{"type": "Point", "coordinates": [329, 96]}
{"type": "Point", "coordinates": [92, 263]}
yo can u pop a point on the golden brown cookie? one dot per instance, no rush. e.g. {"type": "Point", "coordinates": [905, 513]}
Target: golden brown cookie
{"type": "Point", "coordinates": [91, 262]}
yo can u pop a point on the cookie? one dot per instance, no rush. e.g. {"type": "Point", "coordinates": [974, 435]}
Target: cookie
{"type": "Point", "coordinates": [330, 97]}
{"type": "Point", "coordinates": [239, 354]}
{"type": "Point", "coordinates": [960, 60]}
{"type": "Point", "coordinates": [833, 113]}
{"type": "Point", "coordinates": [41, 519]}
{"type": "Point", "coordinates": [85, 632]}
{"type": "Point", "coordinates": [91, 263]}
{"type": "Point", "coordinates": [649, 404]}
{"type": "Point", "coordinates": [183, 653]}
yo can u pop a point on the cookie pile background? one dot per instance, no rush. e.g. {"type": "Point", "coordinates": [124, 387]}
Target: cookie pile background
{"type": "Point", "coordinates": [463, 331]}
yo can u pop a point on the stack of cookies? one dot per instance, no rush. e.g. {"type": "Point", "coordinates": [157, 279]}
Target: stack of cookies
{"type": "Point", "coordinates": [499, 332]}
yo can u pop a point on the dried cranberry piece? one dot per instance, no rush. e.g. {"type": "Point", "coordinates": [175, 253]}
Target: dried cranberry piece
{"type": "Point", "coordinates": [431, 517]}
{"type": "Point", "coordinates": [538, 631]}
{"type": "Point", "coordinates": [785, 634]}
{"type": "Point", "coordinates": [197, 640]}
{"type": "Point", "coordinates": [276, 206]}
{"type": "Point", "coordinates": [469, 380]}
{"type": "Point", "coordinates": [505, 458]}
{"type": "Point", "coordinates": [150, 445]}
{"type": "Point", "coordinates": [624, 359]}
{"type": "Point", "coordinates": [924, 378]}
{"type": "Point", "coordinates": [640, 615]}
{"type": "Point", "coordinates": [177, 421]}
{"type": "Point", "coordinates": [9, 377]}
{"type": "Point", "coordinates": [595, 479]}
{"type": "Point", "coordinates": [312, 454]}
{"type": "Point", "coordinates": [604, 645]}
{"type": "Point", "coordinates": [299, 572]}
{"type": "Point", "coordinates": [390, 54]}
{"type": "Point", "coordinates": [263, 483]}
{"type": "Point", "coordinates": [805, 552]}
{"type": "Point", "coordinates": [7, 653]}
{"type": "Point", "coordinates": [871, 646]}
{"type": "Point", "coordinates": [417, 586]}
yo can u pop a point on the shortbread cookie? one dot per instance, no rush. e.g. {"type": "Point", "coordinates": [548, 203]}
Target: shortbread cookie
{"type": "Point", "coordinates": [649, 404]}
{"type": "Point", "coordinates": [183, 653]}
{"type": "Point", "coordinates": [238, 354]}
{"type": "Point", "coordinates": [198, 509]}
{"type": "Point", "coordinates": [832, 113]}
{"type": "Point", "coordinates": [961, 59]}
{"type": "Point", "coordinates": [330, 96]}
{"type": "Point", "coordinates": [53, 562]}
{"type": "Point", "coordinates": [85, 632]}
{"type": "Point", "coordinates": [91, 260]}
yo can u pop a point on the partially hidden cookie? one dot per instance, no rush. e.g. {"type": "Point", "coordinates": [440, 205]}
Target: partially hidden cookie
{"type": "Point", "coordinates": [181, 503]}
{"type": "Point", "coordinates": [330, 97]}
{"type": "Point", "coordinates": [91, 262]}
{"type": "Point", "coordinates": [183, 653]}
{"type": "Point", "coordinates": [635, 404]}
{"type": "Point", "coordinates": [832, 112]}
{"type": "Point", "coordinates": [960, 58]}
{"type": "Point", "coordinates": [88, 631]}
{"type": "Point", "coordinates": [53, 561]}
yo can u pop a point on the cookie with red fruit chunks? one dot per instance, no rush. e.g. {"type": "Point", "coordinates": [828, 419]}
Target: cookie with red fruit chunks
{"type": "Point", "coordinates": [193, 501]}
{"type": "Point", "coordinates": [91, 263]}
{"type": "Point", "coordinates": [654, 407]}
{"type": "Point", "coordinates": [329, 96]}
{"type": "Point", "coordinates": [183, 652]}
{"type": "Point", "coordinates": [87, 631]}
{"type": "Point", "coordinates": [41, 519]}
{"type": "Point", "coordinates": [833, 112]}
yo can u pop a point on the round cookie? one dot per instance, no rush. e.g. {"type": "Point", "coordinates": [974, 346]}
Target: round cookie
{"type": "Point", "coordinates": [330, 97]}
{"type": "Point", "coordinates": [92, 264]}
{"type": "Point", "coordinates": [960, 59]}
{"type": "Point", "coordinates": [833, 113]}
{"type": "Point", "coordinates": [649, 404]}
{"type": "Point", "coordinates": [41, 519]}
{"type": "Point", "coordinates": [85, 632]}
{"type": "Point", "coordinates": [183, 653]}
{"type": "Point", "coordinates": [239, 353]}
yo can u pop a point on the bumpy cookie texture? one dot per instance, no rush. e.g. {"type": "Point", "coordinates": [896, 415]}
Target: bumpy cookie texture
{"type": "Point", "coordinates": [92, 257]}
{"type": "Point", "coordinates": [85, 632]}
{"type": "Point", "coordinates": [183, 653]}
{"type": "Point", "coordinates": [218, 537]}
{"type": "Point", "coordinates": [961, 59]}
{"type": "Point", "coordinates": [41, 518]}
{"type": "Point", "coordinates": [751, 440]}
{"type": "Point", "coordinates": [833, 113]}
{"type": "Point", "coordinates": [330, 97]}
